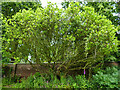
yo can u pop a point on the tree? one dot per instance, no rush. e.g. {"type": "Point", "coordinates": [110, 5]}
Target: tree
{"type": "Point", "coordinates": [11, 8]}
{"type": "Point", "coordinates": [107, 9]}
{"type": "Point", "coordinates": [76, 39]}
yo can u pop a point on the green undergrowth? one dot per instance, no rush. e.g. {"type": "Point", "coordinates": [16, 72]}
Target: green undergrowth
{"type": "Point", "coordinates": [107, 78]}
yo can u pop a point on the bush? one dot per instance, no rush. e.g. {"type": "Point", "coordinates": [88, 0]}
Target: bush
{"type": "Point", "coordinates": [83, 82]}
{"type": "Point", "coordinates": [73, 37]}
{"type": "Point", "coordinates": [107, 78]}
{"type": "Point", "coordinates": [10, 80]}
{"type": "Point", "coordinates": [42, 81]}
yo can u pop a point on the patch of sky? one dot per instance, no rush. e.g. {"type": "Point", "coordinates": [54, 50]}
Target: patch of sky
{"type": "Point", "coordinates": [68, 32]}
{"type": "Point", "coordinates": [29, 57]}
{"type": "Point", "coordinates": [11, 9]}
{"type": "Point", "coordinates": [58, 2]}
{"type": "Point", "coordinates": [118, 32]}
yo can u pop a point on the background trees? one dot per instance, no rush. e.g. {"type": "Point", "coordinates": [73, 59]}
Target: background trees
{"type": "Point", "coordinates": [77, 39]}
{"type": "Point", "coordinates": [11, 8]}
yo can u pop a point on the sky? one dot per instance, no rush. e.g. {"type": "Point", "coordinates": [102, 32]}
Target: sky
{"type": "Point", "coordinates": [58, 2]}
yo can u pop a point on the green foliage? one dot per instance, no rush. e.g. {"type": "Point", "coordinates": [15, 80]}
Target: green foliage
{"type": "Point", "coordinates": [7, 81]}
{"type": "Point", "coordinates": [103, 8]}
{"type": "Point", "coordinates": [28, 83]}
{"type": "Point", "coordinates": [110, 58]}
{"type": "Point", "coordinates": [83, 82]}
{"type": "Point", "coordinates": [6, 71]}
{"type": "Point", "coordinates": [11, 8]}
{"type": "Point", "coordinates": [10, 80]}
{"type": "Point", "coordinates": [107, 9]}
{"type": "Point", "coordinates": [106, 78]}
{"type": "Point", "coordinates": [92, 33]}
{"type": "Point", "coordinates": [7, 76]}
{"type": "Point", "coordinates": [42, 82]}
{"type": "Point", "coordinates": [76, 39]}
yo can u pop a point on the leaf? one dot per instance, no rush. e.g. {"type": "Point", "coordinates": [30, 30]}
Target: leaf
{"type": "Point", "coordinates": [20, 41]}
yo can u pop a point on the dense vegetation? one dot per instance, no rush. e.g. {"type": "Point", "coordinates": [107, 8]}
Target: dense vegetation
{"type": "Point", "coordinates": [107, 78]}
{"type": "Point", "coordinates": [77, 37]}
{"type": "Point", "coordinates": [107, 9]}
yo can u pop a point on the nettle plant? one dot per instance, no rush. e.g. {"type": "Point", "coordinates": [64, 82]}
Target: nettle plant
{"type": "Point", "coordinates": [77, 39]}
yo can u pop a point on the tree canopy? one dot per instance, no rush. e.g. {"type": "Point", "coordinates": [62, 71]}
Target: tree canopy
{"type": "Point", "coordinates": [11, 8]}
{"type": "Point", "coordinates": [77, 39]}
{"type": "Point", "coordinates": [108, 9]}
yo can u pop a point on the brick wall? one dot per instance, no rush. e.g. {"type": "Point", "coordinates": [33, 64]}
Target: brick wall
{"type": "Point", "coordinates": [25, 70]}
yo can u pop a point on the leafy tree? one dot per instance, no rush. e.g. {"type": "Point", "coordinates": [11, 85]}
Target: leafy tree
{"type": "Point", "coordinates": [107, 9]}
{"type": "Point", "coordinates": [11, 8]}
{"type": "Point", "coordinates": [76, 39]}
{"type": "Point", "coordinates": [36, 33]}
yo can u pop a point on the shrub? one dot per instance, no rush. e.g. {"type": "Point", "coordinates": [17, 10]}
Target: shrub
{"type": "Point", "coordinates": [10, 80]}
{"type": "Point", "coordinates": [107, 78]}
{"type": "Point", "coordinates": [83, 82]}
{"type": "Point", "coordinates": [36, 81]}
{"type": "Point", "coordinates": [76, 39]}
{"type": "Point", "coordinates": [26, 83]}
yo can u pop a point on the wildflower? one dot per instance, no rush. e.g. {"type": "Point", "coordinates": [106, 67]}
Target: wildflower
{"type": "Point", "coordinates": [84, 71]}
